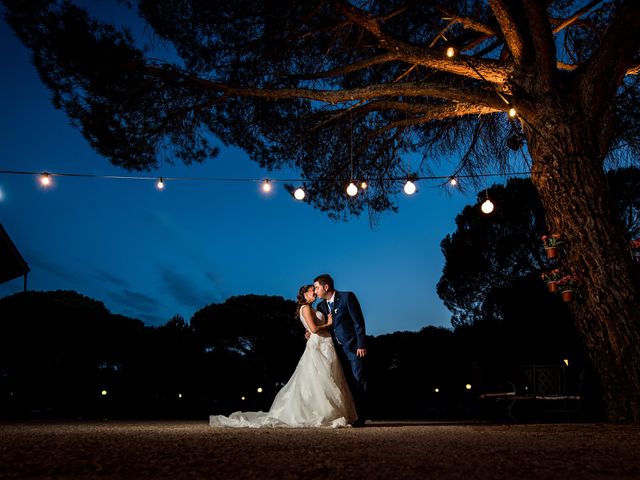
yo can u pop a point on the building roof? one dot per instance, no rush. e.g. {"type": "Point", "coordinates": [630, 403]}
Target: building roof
{"type": "Point", "coordinates": [12, 265]}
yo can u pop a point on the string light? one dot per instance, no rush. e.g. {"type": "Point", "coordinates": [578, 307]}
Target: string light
{"type": "Point", "coordinates": [512, 112]}
{"type": "Point", "coordinates": [299, 194]}
{"type": "Point", "coordinates": [409, 187]}
{"type": "Point", "coordinates": [451, 52]}
{"type": "Point", "coordinates": [45, 180]}
{"type": "Point", "coordinates": [487, 207]}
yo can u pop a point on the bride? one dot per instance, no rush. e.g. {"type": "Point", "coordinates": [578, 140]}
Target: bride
{"type": "Point", "coordinates": [317, 394]}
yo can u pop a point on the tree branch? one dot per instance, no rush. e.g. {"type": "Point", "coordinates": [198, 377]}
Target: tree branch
{"type": "Point", "coordinates": [445, 91]}
{"type": "Point", "coordinates": [354, 67]}
{"type": "Point", "coordinates": [511, 29]}
{"type": "Point", "coordinates": [543, 46]}
{"type": "Point", "coordinates": [562, 24]}
{"type": "Point", "coordinates": [600, 76]}
{"type": "Point", "coordinates": [438, 112]}
{"type": "Point", "coordinates": [493, 71]}
{"type": "Point", "coordinates": [466, 22]}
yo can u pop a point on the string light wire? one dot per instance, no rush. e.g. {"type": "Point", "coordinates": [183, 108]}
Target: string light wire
{"type": "Point", "coordinates": [254, 180]}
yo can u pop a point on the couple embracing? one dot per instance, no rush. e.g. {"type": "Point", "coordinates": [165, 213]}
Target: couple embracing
{"type": "Point", "coordinates": [328, 387]}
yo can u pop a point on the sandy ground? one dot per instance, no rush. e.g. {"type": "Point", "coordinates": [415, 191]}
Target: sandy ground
{"type": "Point", "coordinates": [141, 450]}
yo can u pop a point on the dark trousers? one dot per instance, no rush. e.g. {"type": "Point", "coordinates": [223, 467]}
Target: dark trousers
{"type": "Point", "coordinates": [355, 371]}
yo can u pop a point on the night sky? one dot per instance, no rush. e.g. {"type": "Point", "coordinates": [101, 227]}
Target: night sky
{"type": "Point", "coordinates": [150, 254]}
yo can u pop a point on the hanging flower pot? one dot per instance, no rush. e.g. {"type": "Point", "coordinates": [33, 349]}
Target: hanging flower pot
{"type": "Point", "coordinates": [567, 295]}
{"type": "Point", "coordinates": [552, 252]}
{"type": "Point", "coordinates": [551, 243]}
{"type": "Point", "coordinates": [553, 287]}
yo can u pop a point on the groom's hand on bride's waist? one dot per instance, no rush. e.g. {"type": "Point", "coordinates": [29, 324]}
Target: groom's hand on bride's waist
{"type": "Point", "coordinates": [307, 335]}
{"type": "Point", "coordinates": [361, 352]}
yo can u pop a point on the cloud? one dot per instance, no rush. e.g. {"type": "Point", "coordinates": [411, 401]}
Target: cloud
{"type": "Point", "coordinates": [105, 276]}
{"type": "Point", "coordinates": [134, 300]}
{"type": "Point", "coordinates": [183, 289]}
{"type": "Point", "coordinates": [34, 260]}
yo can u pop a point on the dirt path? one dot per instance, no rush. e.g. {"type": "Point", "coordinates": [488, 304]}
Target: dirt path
{"type": "Point", "coordinates": [140, 450]}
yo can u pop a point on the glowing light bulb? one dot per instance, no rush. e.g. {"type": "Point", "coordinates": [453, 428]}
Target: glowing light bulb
{"type": "Point", "coordinates": [45, 180]}
{"type": "Point", "coordinates": [363, 185]}
{"type": "Point", "coordinates": [266, 186]}
{"type": "Point", "coordinates": [437, 390]}
{"type": "Point", "coordinates": [566, 361]}
{"type": "Point", "coordinates": [243, 398]}
{"type": "Point", "coordinates": [103, 393]}
{"type": "Point", "coordinates": [453, 181]}
{"type": "Point", "coordinates": [512, 112]}
{"type": "Point", "coordinates": [352, 190]}
{"type": "Point", "coordinates": [468, 386]}
{"type": "Point", "coordinates": [409, 187]}
{"type": "Point", "coordinates": [179, 395]}
{"type": "Point", "coordinates": [451, 52]}
{"type": "Point", "coordinates": [259, 390]}
{"type": "Point", "coordinates": [487, 206]}
{"type": "Point", "coordinates": [299, 194]}
{"type": "Point", "coordinates": [160, 184]}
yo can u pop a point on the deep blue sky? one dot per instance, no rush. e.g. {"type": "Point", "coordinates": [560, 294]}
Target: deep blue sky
{"type": "Point", "coordinates": [150, 254]}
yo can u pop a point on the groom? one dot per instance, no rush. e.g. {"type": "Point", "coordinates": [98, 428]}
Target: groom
{"type": "Point", "coordinates": [349, 335]}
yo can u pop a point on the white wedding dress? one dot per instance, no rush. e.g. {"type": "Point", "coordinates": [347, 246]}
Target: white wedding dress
{"type": "Point", "coordinates": [316, 395]}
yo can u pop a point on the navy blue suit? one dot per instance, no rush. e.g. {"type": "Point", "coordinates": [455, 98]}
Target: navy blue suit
{"type": "Point", "coordinates": [348, 333]}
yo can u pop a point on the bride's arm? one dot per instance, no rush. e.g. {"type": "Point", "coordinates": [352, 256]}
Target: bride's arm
{"type": "Point", "coordinates": [308, 318]}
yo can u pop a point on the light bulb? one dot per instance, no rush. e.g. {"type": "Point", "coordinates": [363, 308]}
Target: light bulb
{"type": "Point", "coordinates": [160, 184]}
{"type": "Point", "coordinates": [453, 181]}
{"type": "Point", "coordinates": [451, 52]}
{"type": "Point", "coordinates": [512, 112]}
{"type": "Point", "coordinates": [352, 190]}
{"type": "Point", "coordinates": [45, 180]}
{"type": "Point", "coordinates": [266, 186]}
{"type": "Point", "coordinates": [299, 194]}
{"type": "Point", "coordinates": [487, 206]}
{"type": "Point", "coordinates": [363, 185]}
{"type": "Point", "coordinates": [409, 187]}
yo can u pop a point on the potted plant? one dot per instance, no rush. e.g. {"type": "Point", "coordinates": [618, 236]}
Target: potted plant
{"type": "Point", "coordinates": [551, 278]}
{"type": "Point", "coordinates": [634, 246]}
{"type": "Point", "coordinates": [551, 243]}
{"type": "Point", "coordinates": [567, 286]}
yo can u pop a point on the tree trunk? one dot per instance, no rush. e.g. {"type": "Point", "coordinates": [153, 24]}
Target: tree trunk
{"type": "Point", "coordinates": [569, 177]}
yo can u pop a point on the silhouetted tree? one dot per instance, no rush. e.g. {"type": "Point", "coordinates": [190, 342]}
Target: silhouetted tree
{"type": "Point", "coordinates": [487, 254]}
{"type": "Point", "coordinates": [291, 82]}
{"type": "Point", "coordinates": [258, 331]}
{"type": "Point", "coordinates": [60, 349]}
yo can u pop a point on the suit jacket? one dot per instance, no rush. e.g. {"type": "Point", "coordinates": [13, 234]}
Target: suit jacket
{"type": "Point", "coordinates": [348, 321]}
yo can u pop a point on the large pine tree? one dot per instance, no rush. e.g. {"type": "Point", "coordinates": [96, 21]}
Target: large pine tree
{"type": "Point", "coordinates": [292, 82]}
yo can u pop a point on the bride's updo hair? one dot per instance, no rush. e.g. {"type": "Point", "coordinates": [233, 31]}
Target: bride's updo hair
{"type": "Point", "coordinates": [301, 300]}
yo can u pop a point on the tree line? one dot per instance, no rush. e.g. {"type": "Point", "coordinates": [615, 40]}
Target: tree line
{"type": "Point", "coordinates": [65, 355]}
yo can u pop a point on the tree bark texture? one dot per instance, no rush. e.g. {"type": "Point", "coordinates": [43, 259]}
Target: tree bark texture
{"type": "Point", "coordinates": [567, 157]}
